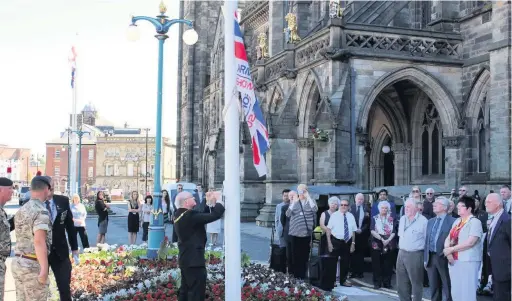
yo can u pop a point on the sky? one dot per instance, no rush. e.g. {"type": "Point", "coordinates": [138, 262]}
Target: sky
{"type": "Point", "coordinates": [117, 76]}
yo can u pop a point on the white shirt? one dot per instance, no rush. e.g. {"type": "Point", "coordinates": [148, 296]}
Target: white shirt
{"type": "Point", "coordinates": [337, 225]}
{"type": "Point", "coordinates": [146, 212]}
{"type": "Point", "coordinates": [412, 233]}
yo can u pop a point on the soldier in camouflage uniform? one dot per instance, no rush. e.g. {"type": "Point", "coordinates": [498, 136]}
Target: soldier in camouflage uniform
{"type": "Point", "coordinates": [33, 240]}
{"type": "Point", "coordinates": [5, 230]}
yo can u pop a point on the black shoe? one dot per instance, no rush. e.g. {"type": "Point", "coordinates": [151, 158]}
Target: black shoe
{"type": "Point", "coordinates": [388, 286]}
{"type": "Point", "coordinates": [426, 285]}
{"type": "Point", "coordinates": [376, 286]}
{"type": "Point", "coordinates": [360, 276]}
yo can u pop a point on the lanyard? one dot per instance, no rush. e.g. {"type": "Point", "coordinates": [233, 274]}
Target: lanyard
{"type": "Point", "coordinates": [407, 227]}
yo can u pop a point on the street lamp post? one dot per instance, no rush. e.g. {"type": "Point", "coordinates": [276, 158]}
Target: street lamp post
{"type": "Point", "coordinates": [162, 25]}
{"type": "Point", "coordinates": [80, 134]}
{"type": "Point", "coordinates": [68, 130]}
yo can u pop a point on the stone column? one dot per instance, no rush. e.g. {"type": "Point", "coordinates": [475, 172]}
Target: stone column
{"type": "Point", "coordinates": [252, 192]}
{"type": "Point", "coordinates": [444, 15]}
{"type": "Point", "coordinates": [282, 173]}
{"type": "Point", "coordinates": [305, 159]}
{"type": "Point", "coordinates": [402, 163]}
{"type": "Point", "coordinates": [453, 165]}
{"type": "Point", "coordinates": [499, 92]}
{"type": "Point", "coordinates": [276, 27]}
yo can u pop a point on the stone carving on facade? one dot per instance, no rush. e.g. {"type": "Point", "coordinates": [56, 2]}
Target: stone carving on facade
{"type": "Point", "coordinates": [335, 9]}
{"type": "Point", "coordinates": [289, 74]}
{"type": "Point", "coordinates": [262, 48]}
{"type": "Point", "coordinates": [416, 46]}
{"type": "Point", "coordinates": [291, 32]}
{"type": "Point", "coordinates": [305, 142]}
{"type": "Point", "coordinates": [452, 142]}
{"type": "Point", "coordinates": [309, 53]}
{"type": "Point", "coordinates": [275, 69]}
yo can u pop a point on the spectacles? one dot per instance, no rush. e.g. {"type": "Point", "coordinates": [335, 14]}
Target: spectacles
{"type": "Point", "coordinates": [462, 189]}
{"type": "Point", "coordinates": [430, 193]}
{"type": "Point", "coordinates": [344, 205]}
{"type": "Point", "coordinates": [415, 191]}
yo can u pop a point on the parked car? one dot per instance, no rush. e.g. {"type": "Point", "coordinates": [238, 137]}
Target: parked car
{"type": "Point", "coordinates": [24, 198]}
{"type": "Point", "coordinates": [23, 191]}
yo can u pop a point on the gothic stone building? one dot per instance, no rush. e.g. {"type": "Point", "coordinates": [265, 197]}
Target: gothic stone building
{"type": "Point", "coordinates": [430, 80]}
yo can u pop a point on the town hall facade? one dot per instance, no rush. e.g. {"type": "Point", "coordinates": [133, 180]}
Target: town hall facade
{"type": "Point", "coordinates": [359, 93]}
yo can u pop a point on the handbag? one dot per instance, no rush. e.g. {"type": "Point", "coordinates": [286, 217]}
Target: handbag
{"type": "Point", "coordinates": [276, 253]}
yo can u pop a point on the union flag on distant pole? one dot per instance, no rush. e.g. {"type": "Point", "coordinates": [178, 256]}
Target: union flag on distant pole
{"type": "Point", "coordinates": [250, 104]}
{"type": "Point", "coordinates": [72, 62]}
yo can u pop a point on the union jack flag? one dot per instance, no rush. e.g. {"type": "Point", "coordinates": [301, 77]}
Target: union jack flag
{"type": "Point", "coordinates": [72, 62]}
{"type": "Point", "coordinates": [250, 104]}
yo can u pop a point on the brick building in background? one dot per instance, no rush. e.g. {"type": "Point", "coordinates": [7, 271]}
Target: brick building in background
{"type": "Point", "coordinates": [57, 154]}
{"type": "Point", "coordinates": [23, 166]}
{"type": "Point", "coordinates": [113, 158]}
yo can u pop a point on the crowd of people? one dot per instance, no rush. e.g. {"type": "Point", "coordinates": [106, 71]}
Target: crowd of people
{"type": "Point", "coordinates": [458, 246]}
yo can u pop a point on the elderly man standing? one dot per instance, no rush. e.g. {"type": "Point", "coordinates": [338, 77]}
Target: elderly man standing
{"type": "Point", "coordinates": [362, 217]}
{"type": "Point", "coordinates": [33, 240]}
{"type": "Point", "coordinates": [190, 229]}
{"type": "Point", "coordinates": [428, 203]}
{"type": "Point", "coordinates": [435, 262]}
{"type": "Point", "coordinates": [5, 230]}
{"type": "Point", "coordinates": [498, 242]}
{"type": "Point", "coordinates": [279, 225]}
{"type": "Point", "coordinates": [409, 265]}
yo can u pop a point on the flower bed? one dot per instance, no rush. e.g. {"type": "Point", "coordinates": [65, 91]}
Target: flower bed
{"type": "Point", "coordinates": [114, 273]}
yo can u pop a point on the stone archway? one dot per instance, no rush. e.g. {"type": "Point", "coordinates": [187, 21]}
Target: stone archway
{"type": "Point", "coordinates": [435, 90]}
{"type": "Point", "coordinates": [400, 100]}
{"type": "Point", "coordinates": [477, 119]}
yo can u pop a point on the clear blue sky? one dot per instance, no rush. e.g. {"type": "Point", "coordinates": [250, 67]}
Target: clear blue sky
{"type": "Point", "coordinates": [119, 77]}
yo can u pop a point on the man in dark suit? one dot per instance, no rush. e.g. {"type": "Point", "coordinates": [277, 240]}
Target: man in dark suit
{"type": "Point", "coordinates": [285, 221]}
{"type": "Point", "coordinates": [498, 247]}
{"type": "Point", "coordinates": [62, 220]}
{"type": "Point", "coordinates": [436, 264]}
{"type": "Point", "coordinates": [362, 217]}
{"type": "Point", "coordinates": [190, 229]}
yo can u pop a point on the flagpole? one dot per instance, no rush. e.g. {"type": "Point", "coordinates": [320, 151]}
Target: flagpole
{"type": "Point", "coordinates": [232, 166]}
{"type": "Point", "coordinates": [73, 178]}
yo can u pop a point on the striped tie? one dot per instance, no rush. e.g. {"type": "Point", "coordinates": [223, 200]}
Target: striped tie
{"type": "Point", "coordinates": [345, 225]}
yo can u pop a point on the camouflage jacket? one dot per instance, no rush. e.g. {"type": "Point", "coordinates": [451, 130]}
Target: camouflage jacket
{"type": "Point", "coordinates": [5, 234]}
{"type": "Point", "coordinates": [31, 217]}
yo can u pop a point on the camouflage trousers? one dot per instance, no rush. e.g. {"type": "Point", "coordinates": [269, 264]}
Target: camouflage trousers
{"type": "Point", "coordinates": [25, 273]}
{"type": "Point", "coordinates": [2, 279]}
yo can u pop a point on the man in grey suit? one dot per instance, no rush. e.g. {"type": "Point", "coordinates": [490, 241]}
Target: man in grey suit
{"type": "Point", "coordinates": [436, 264]}
{"type": "Point", "coordinates": [279, 225]}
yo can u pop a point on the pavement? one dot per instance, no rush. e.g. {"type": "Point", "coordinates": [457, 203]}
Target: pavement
{"type": "Point", "coordinates": [255, 242]}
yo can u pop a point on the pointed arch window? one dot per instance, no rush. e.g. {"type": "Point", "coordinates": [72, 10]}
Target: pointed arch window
{"type": "Point", "coordinates": [481, 142]}
{"type": "Point", "coordinates": [433, 154]}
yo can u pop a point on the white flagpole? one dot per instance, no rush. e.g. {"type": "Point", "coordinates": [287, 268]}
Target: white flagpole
{"type": "Point", "coordinates": [72, 187]}
{"type": "Point", "coordinates": [232, 166]}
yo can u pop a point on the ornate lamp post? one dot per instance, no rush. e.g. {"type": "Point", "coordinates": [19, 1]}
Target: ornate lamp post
{"type": "Point", "coordinates": [162, 24]}
{"type": "Point", "coordinates": [80, 134]}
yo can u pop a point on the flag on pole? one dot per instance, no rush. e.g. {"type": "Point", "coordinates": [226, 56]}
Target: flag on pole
{"type": "Point", "coordinates": [72, 62]}
{"type": "Point", "coordinates": [250, 104]}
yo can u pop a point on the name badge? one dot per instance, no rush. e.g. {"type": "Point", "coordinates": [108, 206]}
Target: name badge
{"type": "Point", "coordinates": [301, 213]}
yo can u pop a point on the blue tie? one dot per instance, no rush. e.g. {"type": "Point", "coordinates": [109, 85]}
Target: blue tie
{"type": "Point", "coordinates": [433, 234]}
{"type": "Point", "coordinates": [345, 225]}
